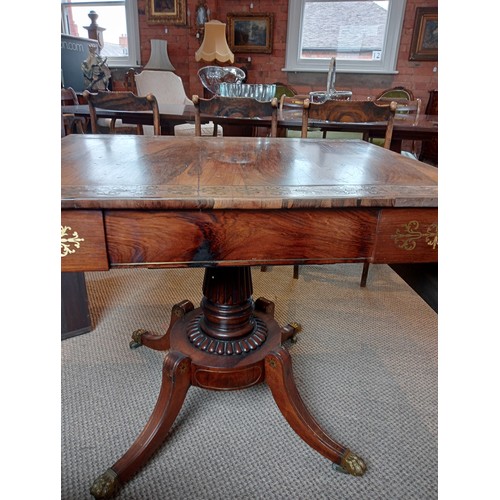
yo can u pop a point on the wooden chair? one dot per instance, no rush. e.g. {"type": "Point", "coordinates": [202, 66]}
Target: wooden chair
{"type": "Point", "coordinates": [350, 112]}
{"type": "Point", "coordinates": [429, 149]}
{"type": "Point", "coordinates": [407, 104]}
{"type": "Point", "coordinates": [168, 88]}
{"type": "Point", "coordinates": [121, 101]}
{"type": "Point", "coordinates": [395, 93]}
{"type": "Point", "coordinates": [295, 102]}
{"type": "Point", "coordinates": [236, 107]}
{"type": "Point", "coordinates": [284, 89]}
{"type": "Point", "coordinates": [292, 103]}
{"type": "Point", "coordinates": [407, 107]}
{"type": "Point", "coordinates": [71, 122]}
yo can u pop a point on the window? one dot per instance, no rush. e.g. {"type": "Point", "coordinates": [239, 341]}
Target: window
{"type": "Point", "coordinates": [363, 35]}
{"type": "Point", "coordinates": [119, 18]}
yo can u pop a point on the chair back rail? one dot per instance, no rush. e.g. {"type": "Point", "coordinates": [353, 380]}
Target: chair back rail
{"type": "Point", "coordinates": [70, 121]}
{"type": "Point", "coordinates": [351, 112]}
{"type": "Point", "coordinates": [121, 101]}
{"type": "Point", "coordinates": [235, 107]}
{"type": "Point", "coordinates": [68, 96]}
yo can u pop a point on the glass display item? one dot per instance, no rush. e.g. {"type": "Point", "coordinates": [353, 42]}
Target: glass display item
{"type": "Point", "coordinates": [212, 76]}
{"type": "Point", "coordinates": [259, 91]}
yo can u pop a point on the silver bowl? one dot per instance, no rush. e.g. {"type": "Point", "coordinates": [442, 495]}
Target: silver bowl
{"type": "Point", "coordinates": [212, 76]}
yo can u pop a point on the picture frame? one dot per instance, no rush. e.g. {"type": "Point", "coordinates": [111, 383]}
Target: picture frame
{"type": "Point", "coordinates": [250, 32]}
{"type": "Point", "coordinates": [424, 43]}
{"type": "Point", "coordinates": [166, 12]}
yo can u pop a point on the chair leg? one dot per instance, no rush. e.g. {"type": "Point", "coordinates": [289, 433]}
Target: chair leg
{"type": "Point", "coordinates": [296, 272]}
{"type": "Point", "coordinates": [79, 127]}
{"type": "Point", "coordinates": [364, 274]}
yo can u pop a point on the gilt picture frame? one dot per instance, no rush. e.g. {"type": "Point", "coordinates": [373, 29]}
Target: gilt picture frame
{"type": "Point", "coordinates": [250, 32]}
{"type": "Point", "coordinates": [166, 12]}
{"type": "Point", "coordinates": [424, 43]}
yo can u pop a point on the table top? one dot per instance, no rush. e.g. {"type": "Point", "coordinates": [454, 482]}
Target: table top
{"type": "Point", "coordinates": [424, 124]}
{"type": "Point", "coordinates": [167, 172]}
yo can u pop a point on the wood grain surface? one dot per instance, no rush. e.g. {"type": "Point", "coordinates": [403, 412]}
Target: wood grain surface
{"type": "Point", "coordinates": [202, 201]}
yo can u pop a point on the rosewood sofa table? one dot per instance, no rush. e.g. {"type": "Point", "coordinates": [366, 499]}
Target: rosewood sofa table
{"type": "Point", "coordinates": [227, 204]}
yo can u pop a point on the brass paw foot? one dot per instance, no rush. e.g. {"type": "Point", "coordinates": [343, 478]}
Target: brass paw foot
{"type": "Point", "coordinates": [352, 464]}
{"type": "Point", "coordinates": [137, 338]}
{"type": "Point", "coordinates": [106, 485]}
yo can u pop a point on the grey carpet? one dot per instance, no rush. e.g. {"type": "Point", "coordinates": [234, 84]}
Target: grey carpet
{"type": "Point", "coordinates": [365, 365]}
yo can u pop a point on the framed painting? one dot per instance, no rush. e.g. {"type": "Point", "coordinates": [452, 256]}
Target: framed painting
{"type": "Point", "coordinates": [166, 11]}
{"type": "Point", "coordinates": [249, 32]}
{"type": "Point", "coordinates": [424, 43]}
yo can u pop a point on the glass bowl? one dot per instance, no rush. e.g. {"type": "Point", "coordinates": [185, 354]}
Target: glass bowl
{"type": "Point", "coordinates": [212, 76]}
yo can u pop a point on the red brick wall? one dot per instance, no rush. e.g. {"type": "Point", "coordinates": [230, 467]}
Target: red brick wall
{"type": "Point", "coordinates": [266, 68]}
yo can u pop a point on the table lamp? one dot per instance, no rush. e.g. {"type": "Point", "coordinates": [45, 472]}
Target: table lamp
{"type": "Point", "coordinates": [159, 60]}
{"type": "Point", "coordinates": [214, 46]}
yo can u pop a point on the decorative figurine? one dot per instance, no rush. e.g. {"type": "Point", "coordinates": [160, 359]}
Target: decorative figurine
{"type": "Point", "coordinates": [96, 73]}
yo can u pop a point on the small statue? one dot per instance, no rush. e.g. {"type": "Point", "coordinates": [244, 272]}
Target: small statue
{"type": "Point", "coordinates": [96, 73]}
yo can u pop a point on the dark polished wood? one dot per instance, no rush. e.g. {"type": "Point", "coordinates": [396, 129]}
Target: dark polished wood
{"type": "Point", "coordinates": [429, 152]}
{"type": "Point", "coordinates": [75, 314]}
{"type": "Point", "coordinates": [227, 204]}
{"type": "Point", "coordinates": [406, 127]}
{"type": "Point", "coordinates": [423, 278]}
{"type": "Point", "coordinates": [121, 101]}
{"type": "Point", "coordinates": [235, 107]}
{"type": "Point", "coordinates": [342, 111]}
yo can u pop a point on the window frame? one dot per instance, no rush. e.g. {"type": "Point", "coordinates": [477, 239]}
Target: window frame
{"type": "Point", "coordinates": [132, 18]}
{"type": "Point", "coordinates": [386, 65]}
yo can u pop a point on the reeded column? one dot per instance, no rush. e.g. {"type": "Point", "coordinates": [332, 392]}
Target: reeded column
{"type": "Point", "coordinates": [227, 303]}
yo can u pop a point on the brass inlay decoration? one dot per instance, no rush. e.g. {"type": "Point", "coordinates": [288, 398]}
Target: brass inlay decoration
{"type": "Point", "coordinates": [68, 241]}
{"type": "Point", "coordinates": [408, 237]}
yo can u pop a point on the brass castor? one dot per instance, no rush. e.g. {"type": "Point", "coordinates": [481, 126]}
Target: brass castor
{"type": "Point", "coordinates": [137, 338]}
{"type": "Point", "coordinates": [106, 485]}
{"type": "Point", "coordinates": [351, 464]}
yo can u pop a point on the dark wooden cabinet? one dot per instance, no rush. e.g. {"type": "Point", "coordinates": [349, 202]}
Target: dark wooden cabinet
{"type": "Point", "coordinates": [429, 152]}
{"type": "Point", "coordinates": [75, 314]}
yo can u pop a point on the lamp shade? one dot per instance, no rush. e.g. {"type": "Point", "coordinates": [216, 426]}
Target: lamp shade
{"type": "Point", "coordinates": [159, 56]}
{"type": "Point", "coordinates": [214, 46]}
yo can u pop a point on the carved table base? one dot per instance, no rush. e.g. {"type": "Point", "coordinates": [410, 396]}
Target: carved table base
{"type": "Point", "coordinates": [230, 342]}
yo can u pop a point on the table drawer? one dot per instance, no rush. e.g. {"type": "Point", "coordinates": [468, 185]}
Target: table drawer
{"type": "Point", "coordinates": [240, 237]}
{"type": "Point", "coordinates": [83, 244]}
{"type": "Point", "coordinates": [407, 235]}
